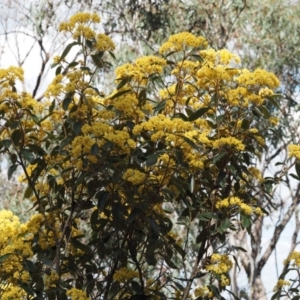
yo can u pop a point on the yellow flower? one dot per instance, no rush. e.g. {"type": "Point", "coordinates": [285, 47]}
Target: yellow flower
{"type": "Point", "coordinates": [294, 151]}
{"type": "Point", "coordinates": [181, 41]}
{"type": "Point", "coordinates": [280, 284]}
{"type": "Point", "coordinates": [76, 294]}
{"type": "Point", "coordinates": [104, 43]}
{"type": "Point", "coordinates": [134, 176]}
{"type": "Point", "coordinates": [230, 141]}
{"type": "Point", "coordinates": [124, 274]}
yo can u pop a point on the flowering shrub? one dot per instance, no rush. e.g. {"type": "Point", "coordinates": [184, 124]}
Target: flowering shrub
{"type": "Point", "coordinates": [169, 151]}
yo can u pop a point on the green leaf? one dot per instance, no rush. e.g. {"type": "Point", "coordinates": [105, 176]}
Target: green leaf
{"type": "Point", "coordinates": [52, 106]}
{"type": "Point", "coordinates": [136, 287]}
{"type": "Point", "coordinates": [112, 55]}
{"type": "Point", "coordinates": [297, 167]}
{"type": "Point", "coordinates": [142, 97]}
{"type": "Point", "coordinates": [160, 106]}
{"type": "Point", "coordinates": [169, 262]}
{"type": "Point", "coordinates": [264, 111]}
{"type": "Point", "coordinates": [28, 155]}
{"type": "Point", "coordinates": [27, 288]}
{"type": "Point", "coordinates": [16, 137]}
{"type": "Point", "coordinates": [273, 101]}
{"type": "Point", "coordinates": [246, 221]}
{"type": "Point", "coordinates": [120, 94]}
{"type": "Point", "coordinates": [6, 143]}
{"type": "Point", "coordinates": [153, 225]}
{"type": "Point", "coordinates": [123, 82]}
{"type": "Point", "coordinates": [77, 244]}
{"type": "Point", "coordinates": [67, 50]}
{"type": "Point", "coordinates": [216, 291]}
{"type": "Point", "coordinates": [89, 44]}
{"type": "Point", "coordinates": [73, 64]}
{"type": "Point", "coordinates": [245, 124]}
{"type": "Point", "coordinates": [294, 176]}
{"type": "Point", "coordinates": [97, 59]}
{"type": "Point", "coordinates": [95, 149]}
{"type": "Point", "coordinates": [197, 114]}
{"type": "Point", "coordinates": [276, 295]}
{"type": "Point", "coordinates": [28, 192]}
{"type": "Point", "coordinates": [151, 160]}
{"type": "Point", "coordinates": [11, 170]}
{"type": "Point", "coordinates": [218, 157]}
{"type": "Point", "coordinates": [4, 257]}
{"type": "Point", "coordinates": [77, 127]}
{"type": "Point", "coordinates": [58, 70]}
{"type": "Point", "coordinates": [66, 102]}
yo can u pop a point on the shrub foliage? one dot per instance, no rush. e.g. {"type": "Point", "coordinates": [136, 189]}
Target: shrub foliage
{"type": "Point", "coordinates": [135, 192]}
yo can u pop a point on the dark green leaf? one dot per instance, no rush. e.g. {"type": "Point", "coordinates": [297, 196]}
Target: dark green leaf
{"type": "Point", "coordinates": [27, 288]}
{"type": "Point", "coordinates": [169, 262]}
{"type": "Point", "coordinates": [67, 50]}
{"type": "Point", "coordinates": [123, 82]}
{"type": "Point", "coordinates": [246, 221]}
{"type": "Point", "coordinates": [77, 127]}
{"type": "Point", "coordinates": [4, 257]}
{"type": "Point", "coordinates": [218, 157]}
{"type": "Point", "coordinates": [153, 225]}
{"type": "Point", "coordinates": [6, 143]}
{"type": "Point", "coordinates": [151, 160]}
{"type": "Point", "coordinates": [294, 176]}
{"type": "Point", "coordinates": [264, 111]}
{"type": "Point", "coordinates": [112, 55]}
{"type": "Point", "coordinates": [136, 287]}
{"type": "Point", "coordinates": [120, 94]}
{"type": "Point", "coordinates": [58, 70]}
{"type": "Point", "coordinates": [273, 101]}
{"type": "Point", "coordinates": [276, 295]}
{"type": "Point", "coordinates": [160, 106]}
{"type": "Point", "coordinates": [197, 114]}
{"type": "Point", "coordinates": [51, 107]}
{"type": "Point", "coordinates": [77, 244]}
{"type": "Point", "coordinates": [28, 192]}
{"type": "Point", "coordinates": [73, 64]}
{"type": "Point", "coordinates": [66, 102]}
{"type": "Point", "coordinates": [28, 155]}
{"type": "Point", "coordinates": [16, 137]}
{"type": "Point", "coordinates": [297, 167]}
{"type": "Point", "coordinates": [11, 170]}
{"type": "Point", "coordinates": [245, 124]}
{"type": "Point", "coordinates": [95, 149]}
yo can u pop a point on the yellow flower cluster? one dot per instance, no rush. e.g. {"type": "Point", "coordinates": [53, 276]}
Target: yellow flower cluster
{"type": "Point", "coordinates": [181, 42]}
{"type": "Point", "coordinates": [280, 284]}
{"type": "Point", "coordinates": [11, 74]}
{"type": "Point", "coordinates": [256, 174]}
{"type": "Point", "coordinates": [10, 292]}
{"type": "Point", "coordinates": [220, 264]}
{"type": "Point", "coordinates": [51, 280]}
{"type": "Point", "coordinates": [104, 43]}
{"type": "Point", "coordinates": [260, 78]}
{"type": "Point", "coordinates": [229, 141]}
{"type": "Point", "coordinates": [235, 202]}
{"type": "Point", "coordinates": [293, 258]}
{"type": "Point", "coordinates": [294, 151]}
{"type": "Point", "coordinates": [204, 292]}
{"type": "Point", "coordinates": [134, 176]}
{"type": "Point", "coordinates": [79, 23]}
{"type": "Point", "coordinates": [76, 294]}
{"type": "Point", "coordinates": [124, 274]}
{"type": "Point", "coordinates": [141, 69]}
